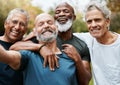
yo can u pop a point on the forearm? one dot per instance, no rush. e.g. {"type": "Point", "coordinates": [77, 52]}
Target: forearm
{"type": "Point", "coordinates": [28, 45]}
{"type": "Point", "coordinates": [83, 68]}
{"type": "Point", "coordinates": [83, 74]}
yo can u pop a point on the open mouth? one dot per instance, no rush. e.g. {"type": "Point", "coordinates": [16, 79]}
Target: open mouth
{"type": "Point", "coordinates": [62, 20]}
{"type": "Point", "coordinates": [95, 30]}
{"type": "Point", "coordinates": [15, 33]}
{"type": "Point", "coordinates": [47, 31]}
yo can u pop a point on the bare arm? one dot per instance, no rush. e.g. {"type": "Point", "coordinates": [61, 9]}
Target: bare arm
{"type": "Point", "coordinates": [29, 36]}
{"type": "Point", "coordinates": [83, 67]}
{"type": "Point", "coordinates": [12, 58]}
{"type": "Point", "coordinates": [25, 45]}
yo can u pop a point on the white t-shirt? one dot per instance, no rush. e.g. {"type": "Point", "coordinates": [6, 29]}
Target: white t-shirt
{"type": "Point", "coordinates": [105, 60]}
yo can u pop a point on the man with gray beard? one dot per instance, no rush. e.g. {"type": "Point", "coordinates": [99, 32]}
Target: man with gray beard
{"type": "Point", "coordinates": [64, 17]}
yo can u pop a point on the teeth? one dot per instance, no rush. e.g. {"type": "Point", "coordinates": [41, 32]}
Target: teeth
{"type": "Point", "coordinates": [15, 32]}
{"type": "Point", "coordinates": [95, 30]}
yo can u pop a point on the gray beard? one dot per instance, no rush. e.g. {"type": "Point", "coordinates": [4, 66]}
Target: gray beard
{"type": "Point", "coordinates": [50, 38]}
{"type": "Point", "coordinates": [64, 27]}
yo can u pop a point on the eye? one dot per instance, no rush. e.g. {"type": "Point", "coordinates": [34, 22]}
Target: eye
{"type": "Point", "coordinates": [14, 21]}
{"type": "Point", "coordinates": [22, 24]}
{"type": "Point", "coordinates": [50, 22]}
{"type": "Point", "coordinates": [40, 23]}
{"type": "Point", "coordinates": [57, 11]}
{"type": "Point", "coordinates": [97, 20]}
{"type": "Point", "coordinates": [89, 21]}
{"type": "Point", "coordinates": [66, 11]}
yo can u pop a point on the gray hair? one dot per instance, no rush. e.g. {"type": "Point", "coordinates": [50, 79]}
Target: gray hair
{"type": "Point", "coordinates": [99, 6]}
{"type": "Point", "coordinates": [17, 10]}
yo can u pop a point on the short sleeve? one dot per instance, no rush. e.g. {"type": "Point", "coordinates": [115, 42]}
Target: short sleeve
{"type": "Point", "coordinates": [24, 59]}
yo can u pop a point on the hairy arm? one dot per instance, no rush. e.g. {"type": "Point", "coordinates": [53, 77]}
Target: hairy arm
{"type": "Point", "coordinates": [25, 45]}
{"type": "Point", "coordinates": [12, 58]}
{"type": "Point", "coordinates": [83, 67]}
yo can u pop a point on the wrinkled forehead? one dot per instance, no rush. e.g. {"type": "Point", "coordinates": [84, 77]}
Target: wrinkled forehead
{"type": "Point", "coordinates": [44, 17]}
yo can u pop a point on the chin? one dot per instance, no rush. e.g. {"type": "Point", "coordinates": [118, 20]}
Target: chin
{"type": "Point", "coordinates": [96, 35]}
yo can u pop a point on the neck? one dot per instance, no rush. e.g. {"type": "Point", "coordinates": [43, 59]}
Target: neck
{"type": "Point", "coordinates": [4, 38]}
{"type": "Point", "coordinates": [108, 38]}
{"type": "Point", "coordinates": [65, 35]}
{"type": "Point", "coordinates": [53, 47]}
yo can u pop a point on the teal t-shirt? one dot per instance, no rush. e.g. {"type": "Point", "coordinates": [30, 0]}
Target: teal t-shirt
{"type": "Point", "coordinates": [36, 74]}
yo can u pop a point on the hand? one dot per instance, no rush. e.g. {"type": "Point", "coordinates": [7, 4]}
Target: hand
{"type": "Point", "coordinates": [71, 52]}
{"type": "Point", "coordinates": [49, 57]}
{"type": "Point", "coordinates": [29, 36]}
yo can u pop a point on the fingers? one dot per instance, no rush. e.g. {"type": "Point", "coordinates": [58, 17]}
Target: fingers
{"type": "Point", "coordinates": [56, 61]}
{"type": "Point", "coordinates": [52, 61]}
{"type": "Point", "coordinates": [29, 36]}
{"type": "Point", "coordinates": [45, 62]}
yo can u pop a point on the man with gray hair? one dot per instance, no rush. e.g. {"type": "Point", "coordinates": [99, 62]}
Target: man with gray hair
{"type": "Point", "coordinates": [15, 27]}
{"type": "Point", "coordinates": [103, 44]}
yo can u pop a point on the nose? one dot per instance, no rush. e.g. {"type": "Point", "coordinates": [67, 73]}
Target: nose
{"type": "Point", "coordinates": [46, 25]}
{"type": "Point", "coordinates": [61, 13]}
{"type": "Point", "coordinates": [93, 24]}
{"type": "Point", "coordinates": [17, 26]}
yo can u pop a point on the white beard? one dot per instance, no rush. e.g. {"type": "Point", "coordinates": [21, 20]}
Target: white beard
{"type": "Point", "coordinates": [64, 27]}
{"type": "Point", "coordinates": [49, 38]}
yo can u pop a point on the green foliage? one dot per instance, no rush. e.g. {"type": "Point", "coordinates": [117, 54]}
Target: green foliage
{"type": "Point", "coordinates": [114, 5]}
{"type": "Point", "coordinates": [91, 82]}
{"type": "Point", "coordinates": [4, 9]}
{"type": "Point", "coordinates": [115, 23]}
{"type": "Point", "coordinates": [79, 25]}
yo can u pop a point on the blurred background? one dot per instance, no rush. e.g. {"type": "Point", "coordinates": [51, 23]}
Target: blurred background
{"type": "Point", "coordinates": [35, 7]}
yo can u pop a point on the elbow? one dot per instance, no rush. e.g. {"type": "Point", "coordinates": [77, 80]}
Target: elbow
{"type": "Point", "coordinates": [85, 80]}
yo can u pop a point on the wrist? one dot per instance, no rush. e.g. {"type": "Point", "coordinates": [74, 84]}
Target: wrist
{"type": "Point", "coordinates": [41, 47]}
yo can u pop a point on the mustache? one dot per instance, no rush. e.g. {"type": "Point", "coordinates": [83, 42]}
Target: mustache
{"type": "Point", "coordinates": [47, 30]}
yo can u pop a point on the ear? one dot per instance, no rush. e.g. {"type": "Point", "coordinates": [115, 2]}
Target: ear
{"type": "Point", "coordinates": [107, 22]}
{"type": "Point", "coordinates": [5, 24]}
{"type": "Point", "coordinates": [34, 30]}
{"type": "Point", "coordinates": [74, 17]}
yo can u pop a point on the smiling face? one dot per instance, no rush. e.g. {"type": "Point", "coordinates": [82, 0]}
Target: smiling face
{"type": "Point", "coordinates": [64, 16]}
{"type": "Point", "coordinates": [15, 27]}
{"type": "Point", "coordinates": [97, 24]}
{"type": "Point", "coordinates": [45, 28]}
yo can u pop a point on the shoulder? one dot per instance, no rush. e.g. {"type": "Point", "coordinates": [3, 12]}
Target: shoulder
{"type": "Point", "coordinates": [86, 37]}
{"type": "Point", "coordinates": [82, 35]}
{"type": "Point", "coordinates": [79, 41]}
{"type": "Point", "coordinates": [25, 53]}
{"type": "Point", "coordinates": [28, 53]}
